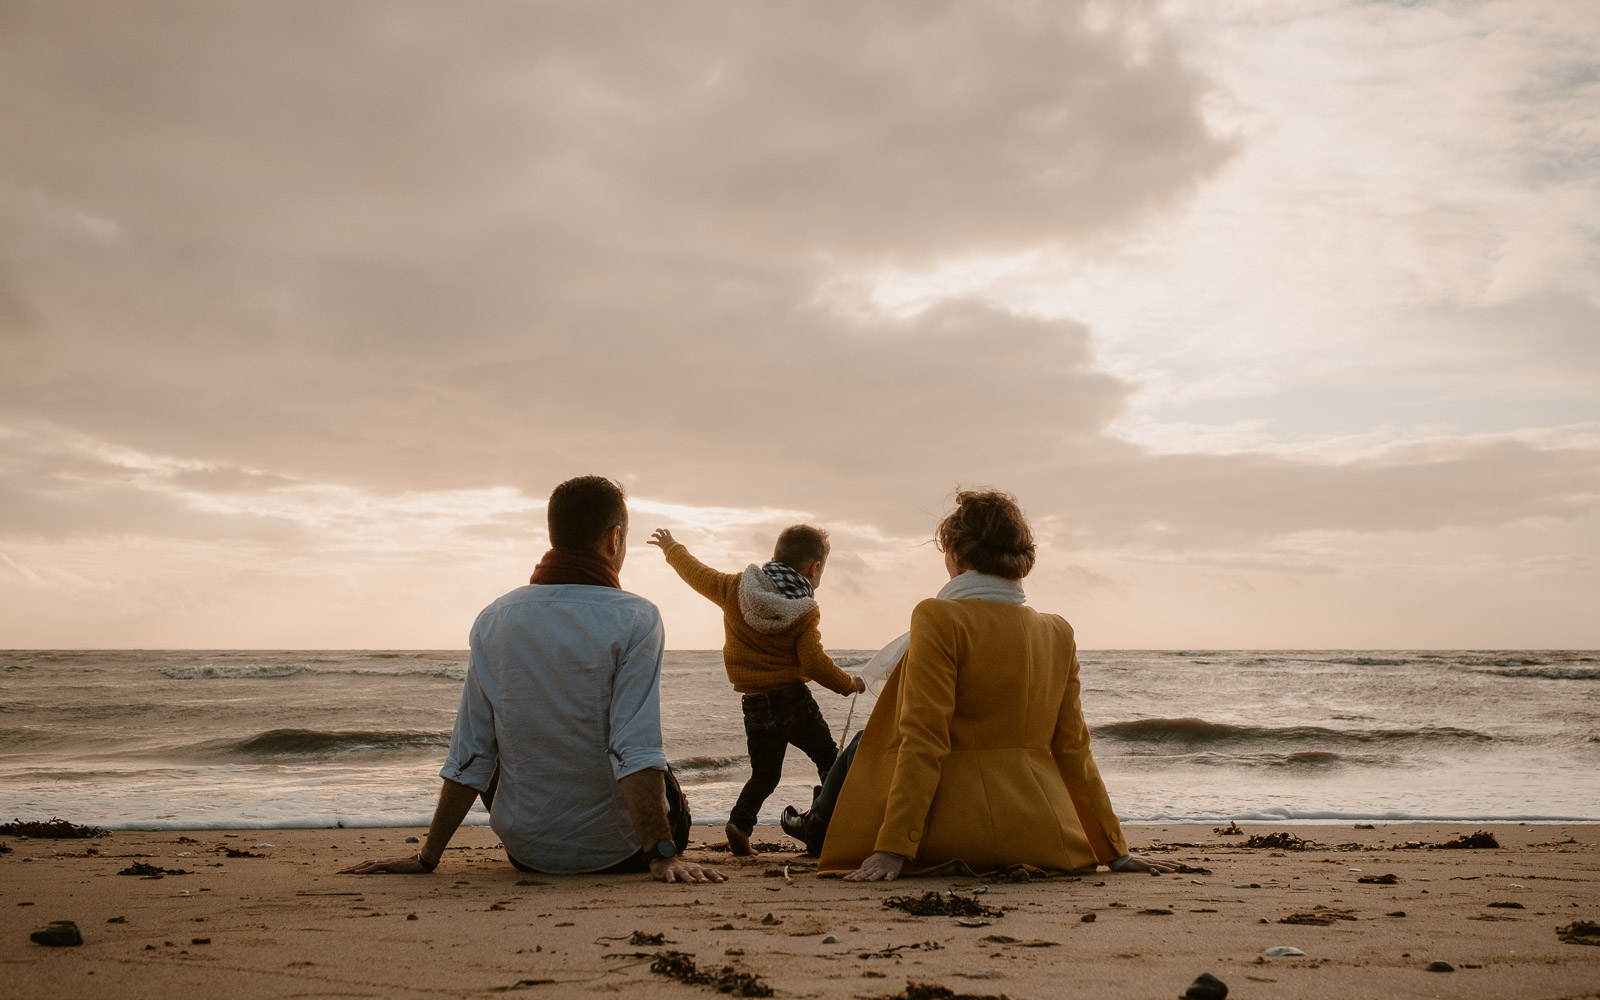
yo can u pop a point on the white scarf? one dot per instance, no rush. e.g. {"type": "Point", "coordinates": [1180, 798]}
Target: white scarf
{"type": "Point", "coordinates": [968, 586]}
{"type": "Point", "coordinates": [975, 586]}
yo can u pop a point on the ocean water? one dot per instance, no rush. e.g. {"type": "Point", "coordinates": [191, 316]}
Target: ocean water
{"type": "Point", "coordinates": [241, 739]}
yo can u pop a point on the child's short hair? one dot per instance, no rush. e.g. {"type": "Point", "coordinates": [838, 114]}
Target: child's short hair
{"type": "Point", "coordinates": [800, 545]}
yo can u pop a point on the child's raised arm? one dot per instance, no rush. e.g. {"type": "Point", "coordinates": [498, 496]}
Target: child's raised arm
{"type": "Point", "coordinates": [718, 587]}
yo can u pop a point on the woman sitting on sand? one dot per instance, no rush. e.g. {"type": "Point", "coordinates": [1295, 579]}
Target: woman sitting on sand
{"type": "Point", "coordinates": [976, 754]}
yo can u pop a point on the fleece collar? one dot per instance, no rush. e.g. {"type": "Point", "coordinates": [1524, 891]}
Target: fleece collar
{"type": "Point", "coordinates": [764, 606]}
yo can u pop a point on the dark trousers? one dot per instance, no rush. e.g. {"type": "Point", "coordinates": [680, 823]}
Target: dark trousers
{"type": "Point", "coordinates": [772, 721]}
{"type": "Point", "coordinates": [822, 808]}
{"type": "Point", "coordinates": [678, 821]}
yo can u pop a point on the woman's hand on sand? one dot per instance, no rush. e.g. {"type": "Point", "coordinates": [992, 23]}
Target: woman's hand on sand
{"type": "Point", "coordinates": [679, 870]}
{"type": "Point", "coordinates": [861, 684]}
{"type": "Point", "coordinates": [661, 537]}
{"type": "Point", "coordinates": [392, 866]}
{"type": "Point", "coordinates": [880, 866]}
{"type": "Point", "coordinates": [1136, 863]}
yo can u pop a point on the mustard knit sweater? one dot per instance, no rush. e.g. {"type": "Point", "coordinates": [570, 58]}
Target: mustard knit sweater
{"type": "Point", "coordinates": [761, 661]}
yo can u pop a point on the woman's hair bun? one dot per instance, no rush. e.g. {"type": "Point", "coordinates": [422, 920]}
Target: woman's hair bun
{"type": "Point", "coordinates": [988, 532]}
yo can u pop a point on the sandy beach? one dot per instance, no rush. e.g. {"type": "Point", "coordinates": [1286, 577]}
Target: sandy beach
{"type": "Point", "coordinates": [283, 924]}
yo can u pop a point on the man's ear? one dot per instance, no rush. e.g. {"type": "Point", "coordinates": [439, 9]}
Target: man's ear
{"type": "Point", "coordinates": [614, 543]}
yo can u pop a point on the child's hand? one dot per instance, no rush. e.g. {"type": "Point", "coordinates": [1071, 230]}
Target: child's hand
{"type": "Point", "coordinates": [661, 537]}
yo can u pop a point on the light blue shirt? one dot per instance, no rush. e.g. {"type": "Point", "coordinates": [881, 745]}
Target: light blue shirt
{"type": "Point", "coordinates": [563, 688]}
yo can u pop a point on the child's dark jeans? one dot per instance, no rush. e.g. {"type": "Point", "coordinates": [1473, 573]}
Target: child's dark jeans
{"type": "Point", "coordinates": [772, 721]}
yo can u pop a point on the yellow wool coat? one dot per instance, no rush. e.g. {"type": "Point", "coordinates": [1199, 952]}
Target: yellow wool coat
{"type": "Point", "coordinates": [977, 751]}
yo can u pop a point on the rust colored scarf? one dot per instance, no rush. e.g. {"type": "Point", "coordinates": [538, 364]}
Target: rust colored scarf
{"type": "Point", "coordinates": [575, 566]}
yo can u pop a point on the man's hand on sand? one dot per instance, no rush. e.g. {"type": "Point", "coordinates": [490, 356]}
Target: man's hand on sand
{"type": "Point", "coordinates": [1135, 863]}
{"type": "Point", "coordinates": [393, 866]}
{"type": "Point", "coordinates": [661, 537]}
{"type": "Point", "coordinates": [679, 870]}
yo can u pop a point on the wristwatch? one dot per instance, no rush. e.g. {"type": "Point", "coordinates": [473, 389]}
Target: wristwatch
{"type": "Point", "coordinates": [662, 849]}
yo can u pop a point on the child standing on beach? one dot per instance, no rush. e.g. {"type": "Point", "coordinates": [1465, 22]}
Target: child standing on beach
{"type": "Point", "coordinates": [772, 647]}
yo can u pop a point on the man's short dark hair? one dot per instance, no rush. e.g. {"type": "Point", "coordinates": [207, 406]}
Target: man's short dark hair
{"type": "Point", "coordinates": [800, 545]}
{"type": "Point", "coordinates": [582, 510]}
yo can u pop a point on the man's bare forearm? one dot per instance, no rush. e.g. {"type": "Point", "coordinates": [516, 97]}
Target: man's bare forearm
{"type": "Point", "coordinates": [455, 801]}
{"type": "Point", "coordinates": [643, 792]}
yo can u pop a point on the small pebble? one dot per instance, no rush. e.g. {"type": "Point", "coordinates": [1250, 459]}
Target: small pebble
{"type": "Point", "coordinates": [264, 845]}
{"type": "Point", "coordinates": [980, 890]}
{"type": "Point", "coordinates": [183, 892]}
{"type": "Point", "coordinates": [117, 920]}
{"type": "Point", "coordinates": [1087, 918]}
{"type": "Point", "coordinates": [199, 940]}
{"type": "Point", "coordinates": [1283, 951]}
{"type": "Point", "coordinates": [1441, 967]}
{"type": "Point", "coordinates": [831, 939]}
{"type": "Point", "coordinates": [1206, 987]}
{"type": "Point", "coordinates": [413, 840]}
{"type": "Point", "coordinates": [411, 916]}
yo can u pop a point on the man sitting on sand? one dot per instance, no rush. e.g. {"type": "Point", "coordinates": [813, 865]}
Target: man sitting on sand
{"type": "Point", "coordinates": [773, 646]}
{"type": "Point", "coordinates": [560, 721]}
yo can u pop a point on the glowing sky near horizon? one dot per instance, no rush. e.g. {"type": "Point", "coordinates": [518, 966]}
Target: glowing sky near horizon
{"type": "Point", "coordinates": [1281, 319]}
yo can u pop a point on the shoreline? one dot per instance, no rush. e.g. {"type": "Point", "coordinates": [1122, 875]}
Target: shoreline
{"type": "Point", "coordinates": [284, 924]}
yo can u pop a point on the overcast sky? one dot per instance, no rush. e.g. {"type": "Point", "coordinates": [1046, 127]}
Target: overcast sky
{"type": "Point", "coordinates": [1282, 319]}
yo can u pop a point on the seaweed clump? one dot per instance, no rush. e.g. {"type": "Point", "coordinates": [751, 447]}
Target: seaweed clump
{"type": "Point", "coordinates": [1480, 840]}
{"type": "Point", "coordinates": [1580, 932]}
{"type": "Point", "coordinates": [55, 829]}
{"type": "Point", "coordinates": [679, 966]}
{"type": "Point", "coordinates": [151, 871]}
{"type": "Point", "coordinates": [940, 904]}
{"type": "Point", "coordinates": [931, 991]}
{"type": "Point", "coordinates": [1281, 841]}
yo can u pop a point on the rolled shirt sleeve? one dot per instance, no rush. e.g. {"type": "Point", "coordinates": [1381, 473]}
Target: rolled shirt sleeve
{"type": "Point", "coordinates": [473, 747]}
{"type": "Point", "coordinates": [635, 743]}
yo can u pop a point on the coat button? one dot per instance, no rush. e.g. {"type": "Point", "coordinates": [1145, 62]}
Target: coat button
{"type": "Point", "coordinates": [915, 835]}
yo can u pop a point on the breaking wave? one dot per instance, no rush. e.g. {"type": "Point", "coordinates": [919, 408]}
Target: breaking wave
{"type": "Point", "coordinates": [276, 745]}
{"type": "Point", "coordinates": [1197, 734]}
{"type": "Point", "coordinates": [1553, 673]}
{"type": "Point", "coordinates": [692, 764]}
{"type": "Point", "coordinates": [249, 671]}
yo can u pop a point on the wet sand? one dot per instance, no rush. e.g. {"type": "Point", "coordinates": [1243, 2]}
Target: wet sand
{"type": "Point", "coordinates": [285, 925]}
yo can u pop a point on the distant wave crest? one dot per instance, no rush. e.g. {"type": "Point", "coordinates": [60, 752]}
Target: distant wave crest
{"type": "Point", "coordinates": [1200, 734]}
{"type": "Point", "coordinates": [707, 763]}
{"type": "Point", "coordinates": [245, 671]}
{"type": "Point", "coordinates": [317, 744]}
{"type": "Point", "coordinates": [1553, 673]}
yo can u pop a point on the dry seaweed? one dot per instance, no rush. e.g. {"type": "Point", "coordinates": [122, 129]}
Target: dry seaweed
{"type": "Point", "coordinates": [1283, 841]}
{"type": "Point", "coordinates": [930, 991]}
{"type": "Point", "coordinates": [1035, 943]}
{"type": "Point", "coordinates": [1480, 840]}
{"type": "Point", "coordinates": [1321, 918]}
{"type": "Point", "coordinates": [680, 966]}
{"type": "Point", "coordinates": [1389, 879]}
{"type": "Point", "coordinates": [151, 871]}
{"type": "Point", "coordinates": [941, 904]}
{"type": "Point", "coordinates": [890, 952]}
{"type": "Point", "coordinates": [1231, 830]}
{"type": "Point", "coordinates": [645, 937]}
{"type": "Point", "coordinates": [1580, 932]}
{"type": "Point", "coordinates": [56, 829]}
